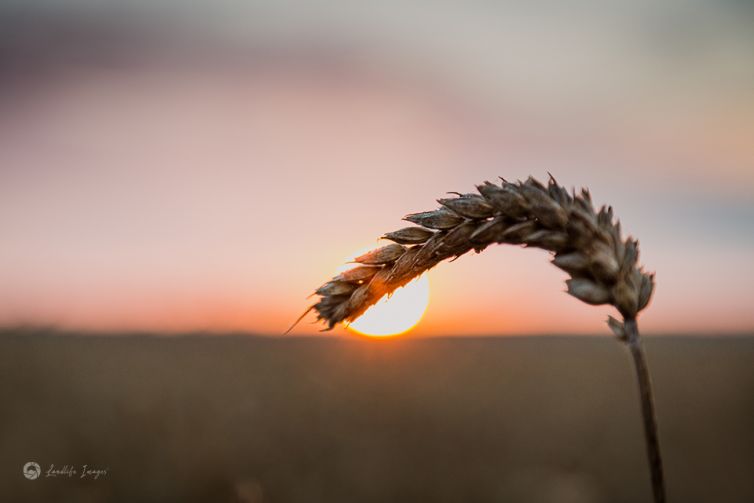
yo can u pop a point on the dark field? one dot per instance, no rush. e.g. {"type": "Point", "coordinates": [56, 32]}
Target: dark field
{"type": "Point", "coordinates": [348, 420]}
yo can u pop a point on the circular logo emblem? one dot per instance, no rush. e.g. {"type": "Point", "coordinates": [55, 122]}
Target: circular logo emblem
{"type": "Point", "coordinates": [32, 470]}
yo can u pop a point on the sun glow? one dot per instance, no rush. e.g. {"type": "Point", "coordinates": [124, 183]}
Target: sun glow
{"type": "Point", "coordinates": [396, 314]}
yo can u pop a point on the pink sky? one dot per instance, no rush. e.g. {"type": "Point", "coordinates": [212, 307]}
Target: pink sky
{"type": "Point", "coordinates": [192, 193]}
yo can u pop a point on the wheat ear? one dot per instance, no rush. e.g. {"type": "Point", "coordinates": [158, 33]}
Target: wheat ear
{"type": "Point", "coordinates": [585, 243]}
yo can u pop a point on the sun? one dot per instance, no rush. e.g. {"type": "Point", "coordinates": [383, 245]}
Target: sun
{"type": "Point", "coordinates": [396, 314]}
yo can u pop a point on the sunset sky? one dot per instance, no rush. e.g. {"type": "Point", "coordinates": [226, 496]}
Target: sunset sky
{"type": "Point", "coordinates": [206, 169]}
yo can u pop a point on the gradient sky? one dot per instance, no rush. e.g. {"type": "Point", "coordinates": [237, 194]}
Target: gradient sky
{"type": "Point", "coordinates": [173, 169]}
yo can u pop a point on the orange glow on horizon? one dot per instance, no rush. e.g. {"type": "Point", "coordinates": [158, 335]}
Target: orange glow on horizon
{"type": "Point", "coordinates": [117, 218]}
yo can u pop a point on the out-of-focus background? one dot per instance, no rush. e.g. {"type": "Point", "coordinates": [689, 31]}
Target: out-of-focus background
{"type": "Point", "coordinates": [199, 168]}
{"type": "Point", "coordinates": [259, 419]}
{"type": "Point", "coordinates": [203, 166]}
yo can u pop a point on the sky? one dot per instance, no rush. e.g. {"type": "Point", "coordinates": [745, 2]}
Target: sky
{"type": "Point", "coordinates": [175, 168]}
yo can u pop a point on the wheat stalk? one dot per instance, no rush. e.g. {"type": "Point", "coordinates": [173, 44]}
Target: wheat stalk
{"type": "Point", "coordinates": [585, 243]}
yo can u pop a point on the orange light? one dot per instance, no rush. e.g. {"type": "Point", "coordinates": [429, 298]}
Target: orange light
{"type": "Point", "coordinates": [396, 314]}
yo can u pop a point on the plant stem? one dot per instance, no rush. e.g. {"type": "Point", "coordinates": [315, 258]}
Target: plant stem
{"type": "Point", "coordinates": [647, 409]}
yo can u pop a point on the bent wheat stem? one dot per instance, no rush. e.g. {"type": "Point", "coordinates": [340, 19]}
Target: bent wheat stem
{"type": "Point", "coordinates": [585, 243]}
{"type": "Point", "coordinates": [651, 436]}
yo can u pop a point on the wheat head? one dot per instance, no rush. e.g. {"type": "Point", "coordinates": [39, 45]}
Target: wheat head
{"type": "Point", "coordinates": [585, 243]}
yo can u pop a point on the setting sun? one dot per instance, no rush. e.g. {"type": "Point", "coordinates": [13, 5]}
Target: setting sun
{"type": "Point", "coordinates": [396, 314]}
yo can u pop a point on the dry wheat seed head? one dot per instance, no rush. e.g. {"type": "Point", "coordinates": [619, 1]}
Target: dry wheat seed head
{"type": "Point", "coordinates": [585, 243]}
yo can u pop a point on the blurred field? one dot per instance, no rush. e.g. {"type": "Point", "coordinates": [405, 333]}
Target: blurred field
{"type": "Point", "coordinates": [548, 419]}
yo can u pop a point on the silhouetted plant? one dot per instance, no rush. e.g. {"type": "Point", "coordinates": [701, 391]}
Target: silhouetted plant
{"type": "Point", "coordinates": [585, 243]}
